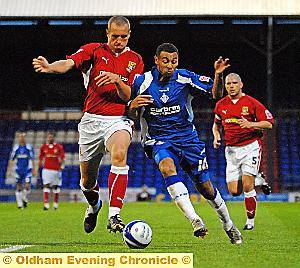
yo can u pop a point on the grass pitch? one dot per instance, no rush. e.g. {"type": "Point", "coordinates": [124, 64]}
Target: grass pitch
{"type": "Point", "coordinates": [275, 241]}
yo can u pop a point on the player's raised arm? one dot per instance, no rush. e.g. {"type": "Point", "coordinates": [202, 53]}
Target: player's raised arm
{"type": "Point", "coordinates": [220, 65]}
{"type": "Point", "coordinates": [41, 65]}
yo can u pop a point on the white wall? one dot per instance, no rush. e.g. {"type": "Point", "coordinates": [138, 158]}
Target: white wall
{"type": "Point", "coordinates": [83, 8]}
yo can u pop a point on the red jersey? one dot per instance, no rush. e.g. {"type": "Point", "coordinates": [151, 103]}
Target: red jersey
{"type": "Point", "coordinates": [95, 58]}
{"type": "Point", "coordinates": [52, 155]}
{"type": "Point", "coordinates": [227, 112]}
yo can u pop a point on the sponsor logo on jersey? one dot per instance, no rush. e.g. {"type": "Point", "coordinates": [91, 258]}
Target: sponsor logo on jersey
{"type": "Point", "coordinates": [164, 98]}
{"type": "Point", "coordinates": [165, 110]}
{"type": "Point", "coordinates": [245, 110]}
{"type": "Point", "coordinates": [22, 156]}
{"type": "Point", "coordinates": [164, 89]}
{"type": "Point", "coordinates": [131, 66]}
{"type": "Point", "coordinates": [231, 120]}
{"type": "Point", "coordinates": [268, 115]}
{"type": "Point", "coordinates": [124, 79]}
{"type": "Point", "coordinates": [224, 111]}
{"type": "Point", "coordinates": [203, 78]}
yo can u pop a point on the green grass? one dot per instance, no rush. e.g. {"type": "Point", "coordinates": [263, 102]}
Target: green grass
{"type": "Point", "coordinates": [275, 241]}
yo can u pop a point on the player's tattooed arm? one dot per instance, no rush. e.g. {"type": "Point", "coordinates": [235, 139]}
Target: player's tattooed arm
{"type": "Point", "coordinates": [219, 80]}
{"type": "Point", "coordinates": [220, 65]}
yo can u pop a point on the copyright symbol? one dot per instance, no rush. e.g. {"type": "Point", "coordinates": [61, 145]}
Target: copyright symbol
{"type": "Point", "coordinates": [186, 260]}
{"type": "Point", "coordinates": [7, 260]}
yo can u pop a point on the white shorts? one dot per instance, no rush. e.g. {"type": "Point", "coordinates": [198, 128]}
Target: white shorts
{"type": "Point", "coordinates": [242, 160]}
{"type": "Point", "coordinates": [52, 177]}
{"type": "Point", "coordinates": [95, 130]}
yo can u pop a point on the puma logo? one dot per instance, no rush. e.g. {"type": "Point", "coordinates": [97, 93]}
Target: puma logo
{"type": "Point", "coordinates": [106, 60]}
{"type": "Point", "coordinates": [120, 199]}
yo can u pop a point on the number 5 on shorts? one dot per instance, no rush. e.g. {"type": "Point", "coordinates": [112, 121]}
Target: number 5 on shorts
{"type": "Point", "coordinates": [254, 160]}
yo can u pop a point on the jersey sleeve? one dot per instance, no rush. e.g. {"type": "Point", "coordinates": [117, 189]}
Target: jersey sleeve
{"type": "Point", "coordinates": [83, 57]}
{"type": "Point", "coordinates": [137, 70]}
{"type": "Point", "coordinates": [218, 118]}
{"type": "Point", "coordinates": [201, 84]}
{"type": "Point", "coordinates": [31, 152]}
{"type": "Point", "coordinates": [13, 153]}
{"type": "Point", "coordinates": [136, 86]}
{"type": "Point", "coordinates": [262, 113]}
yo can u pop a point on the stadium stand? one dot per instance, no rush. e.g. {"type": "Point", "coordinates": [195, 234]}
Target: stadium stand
{"type": "Point", "coordinates": [142, 170]}
{"type": "Point", "coordinates": [289, 145]}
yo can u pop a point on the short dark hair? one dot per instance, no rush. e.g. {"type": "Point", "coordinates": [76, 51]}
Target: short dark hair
{"type": "Point", "coordinates": [21, 132]}
{"type": "Point", "coordinates": [167, 47]}
{"type": "Point", "coordinates": [119, 20]}
{"type": "Point", "coordinates": [51, 132]}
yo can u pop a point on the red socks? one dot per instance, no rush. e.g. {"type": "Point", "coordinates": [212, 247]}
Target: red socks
{"type": "Point", "coordinates": [117, 184]}
{"type": "Point", "coordinates": [46, 195]}
{"type": "Point", "coordinates": [250, 203]}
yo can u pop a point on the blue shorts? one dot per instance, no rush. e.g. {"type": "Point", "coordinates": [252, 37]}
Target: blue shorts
{"type": "Point", "coordinates": [190, 156]}
{"type": "Point", "coordinates": [23, 176]}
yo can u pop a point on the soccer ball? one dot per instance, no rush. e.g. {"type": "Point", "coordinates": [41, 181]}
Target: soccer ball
{"type": "Point", "coordinates": [137, 234]}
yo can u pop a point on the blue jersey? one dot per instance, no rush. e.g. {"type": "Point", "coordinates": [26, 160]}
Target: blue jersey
{"type": "Point", "coordinates": [170, 116]}
{"type": "Point", "coordinates": [23, 156]}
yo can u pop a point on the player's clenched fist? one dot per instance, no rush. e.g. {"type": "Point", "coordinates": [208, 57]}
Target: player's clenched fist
{"type": "Point", "coordinates": [40, 64]}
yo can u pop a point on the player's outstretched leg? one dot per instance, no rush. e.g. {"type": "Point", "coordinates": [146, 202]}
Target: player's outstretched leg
{"type": "Point", "coordinates": [180, 195]}
{"type": "Point", "coordinates": [115, 224]}
{"type": "Point", "coordinates": [216, 201]}
{"type": "Point", "coordinates": [117, 184]}
{"type": "Point", "coordinates": [234, 235]}
{"type": "Point", "coordinates": [260, 181]}
{"type": "Point", "coordinates": [90, 188]}
{"type": "Point", "coordinates": [199, 228]}
{"type": "Point", "coordinates": [95, 204]}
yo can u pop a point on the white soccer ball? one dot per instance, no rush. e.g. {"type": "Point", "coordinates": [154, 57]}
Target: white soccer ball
{"type": "Point", "coordinates": [137, 234]}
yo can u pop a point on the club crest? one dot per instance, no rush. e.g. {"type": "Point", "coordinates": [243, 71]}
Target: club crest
{"type": "Point", "coordinates": [245, 110]}
{"type": "Point", "coordinates": [164, 98]}
{"type": "Point", "coordinates": [131, 66]}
